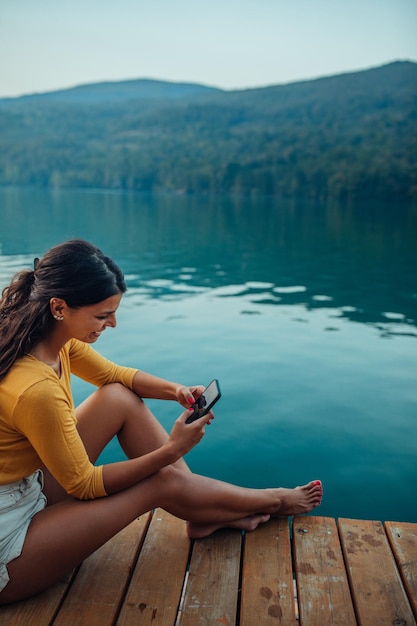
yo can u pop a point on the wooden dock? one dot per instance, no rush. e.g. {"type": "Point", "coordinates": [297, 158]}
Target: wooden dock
{"type": "Point", "coordinates": [307, 571]}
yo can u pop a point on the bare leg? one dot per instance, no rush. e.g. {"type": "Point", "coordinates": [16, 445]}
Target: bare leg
{"type": "Point", "coordinates": [64, 534]}
{"type": "Point", "coordinates": [68, 530]}
{"type": "Point", "coordinates": [123, 413]}
{"type": "Point", "coordinates": [292, 502]}
{"type": "Point", "coordinates": [112, 411]}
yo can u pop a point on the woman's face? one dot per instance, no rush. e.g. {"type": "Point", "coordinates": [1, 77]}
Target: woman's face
{"type": "Point", "coordinates": [88, 322]}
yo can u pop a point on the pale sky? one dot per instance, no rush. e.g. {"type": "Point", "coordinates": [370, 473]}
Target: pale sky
{"type": "Point", "coordinates": [232, 44]}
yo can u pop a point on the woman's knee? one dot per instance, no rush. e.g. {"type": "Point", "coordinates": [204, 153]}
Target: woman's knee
{"type": "Point", "coordinates": [118, 394]}
{"type": "Point", "coordinates": [169, 483]}
{"type": "Point", "coordinates": [114, 400]}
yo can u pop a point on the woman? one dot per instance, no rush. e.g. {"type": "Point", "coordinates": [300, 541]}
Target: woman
{"type": "Point", "coordinates": [56, 506]}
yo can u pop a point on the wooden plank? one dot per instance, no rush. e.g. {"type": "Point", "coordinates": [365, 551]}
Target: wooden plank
{"type": "Point", "coordinates": [323, 588]}
{"type": "Point", "coordinates": [40, 609]}
{"type": "Point", "coordinates": [267, 583]}
{"type": "Point", "coordinates": [379, 566]}
{"type": "Point", "coordinates": [99, 587]}
{"type": "Point", "coordinates": [154, 593]}
{"type": "Point", "coordinates": [211, 595]}
{"type": "Point", "coordinates": [403, 539]}
{"type": "Point", "coordinates": [376, 587]}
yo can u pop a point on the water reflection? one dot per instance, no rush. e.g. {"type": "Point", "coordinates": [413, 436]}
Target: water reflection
{"type": "Point", "coordinates": [359, 261]}
{"type": "Point", "coordinates": [288, 304]}
{"type": "Point", "coordinates": [252, 303]}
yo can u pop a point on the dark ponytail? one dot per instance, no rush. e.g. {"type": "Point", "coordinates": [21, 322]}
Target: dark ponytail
{"type": "Point", "coordinates": [75, 271]}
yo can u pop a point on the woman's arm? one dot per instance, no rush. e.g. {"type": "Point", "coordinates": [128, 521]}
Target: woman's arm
{"type": "Point", "coordinates": [44, 416]}
{"type": "Point", "coordinates": [89, 365]}
{"type": "Point", "coordinates": [148, 386]}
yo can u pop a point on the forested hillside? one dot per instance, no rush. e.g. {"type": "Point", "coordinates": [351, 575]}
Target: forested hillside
{"type": "Point", "coordinates": [348, 136]}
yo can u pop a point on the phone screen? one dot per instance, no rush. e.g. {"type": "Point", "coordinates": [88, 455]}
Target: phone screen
{"type": "Point", "coordinates": [206, 401]}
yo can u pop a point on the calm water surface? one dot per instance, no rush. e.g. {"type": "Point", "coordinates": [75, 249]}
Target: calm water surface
{"type": "Point", "coordinates": [305, 313]}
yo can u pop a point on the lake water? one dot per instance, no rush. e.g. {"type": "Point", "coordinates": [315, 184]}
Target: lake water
{"type": "Point", "coordinates": [305, 313]}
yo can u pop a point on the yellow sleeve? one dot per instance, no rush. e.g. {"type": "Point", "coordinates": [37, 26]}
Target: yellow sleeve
{"type": "Point", "coordinates": [45, 415]}
{"type": "Point", "coordinates": [91, 366]}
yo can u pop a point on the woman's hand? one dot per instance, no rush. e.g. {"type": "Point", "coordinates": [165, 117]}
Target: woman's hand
{"type": "Point", "coordinates": [184, 437]}
{"type": "Point", "coordinates": [186, 396]}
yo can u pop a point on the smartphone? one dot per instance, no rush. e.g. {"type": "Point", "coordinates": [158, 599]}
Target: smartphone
{"type": "Point", "coordinates": [205, 402]}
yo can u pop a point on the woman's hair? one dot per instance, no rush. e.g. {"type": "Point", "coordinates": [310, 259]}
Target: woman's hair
{"type": "Point", "coordinates": [75, 271]}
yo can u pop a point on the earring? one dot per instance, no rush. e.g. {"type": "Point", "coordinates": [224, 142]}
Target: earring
{"type": "Point", "coordinates": [59, 318]}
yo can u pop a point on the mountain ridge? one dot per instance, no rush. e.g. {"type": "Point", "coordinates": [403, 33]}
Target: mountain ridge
{"type": "Point", "coordinates": [346, 136]}
{"type": "Point", "coordinates": [116, 91]}
{"type": "Point", "coordinates": [175, 89]}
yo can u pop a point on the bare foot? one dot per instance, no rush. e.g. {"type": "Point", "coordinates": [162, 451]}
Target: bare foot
{"type": "Point", "coordinates": [198, 531]}
{"type": "Point", "coordinates": [300, 499]}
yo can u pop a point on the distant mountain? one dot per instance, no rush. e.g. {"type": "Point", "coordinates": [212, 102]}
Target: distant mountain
{"type": "Point", "coordinates": [343, 137]}
{"type": "Point", "coordinates": [118, 91]}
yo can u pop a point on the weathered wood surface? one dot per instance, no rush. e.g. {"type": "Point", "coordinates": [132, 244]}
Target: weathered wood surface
{"type": "Point", "coordinates": [377, 591]}
{"type": "Point", "coordinates": [213, 582]}
{"type": "Point", "coordinates": [323, 588]}
{"type": "Point", "coordinates": [403, 540]}
{"type": "Point", "coordinates": [267, 579]}
{"type": "Point", "coordinates": [95, 596]}
{"type": "Point", "coordinates": [155, 589]}
{"type": "Point", "coordinates": [307, 571]}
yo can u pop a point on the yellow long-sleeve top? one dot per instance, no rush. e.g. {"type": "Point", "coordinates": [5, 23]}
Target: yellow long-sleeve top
{"type": "Point", "coordinates": [38, 422]}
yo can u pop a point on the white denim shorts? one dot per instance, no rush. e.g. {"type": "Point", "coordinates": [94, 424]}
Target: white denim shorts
{"type": "Point", "coordinates": [19, 502]}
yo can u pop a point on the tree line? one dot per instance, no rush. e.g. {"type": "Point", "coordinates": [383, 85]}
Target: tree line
{"type": "Point", "coordinates": [344, 137]}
